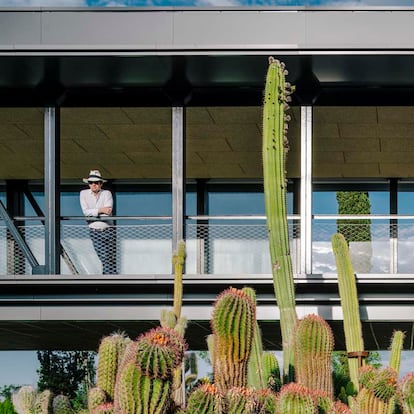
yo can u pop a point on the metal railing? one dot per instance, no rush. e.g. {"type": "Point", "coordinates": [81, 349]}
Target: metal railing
{"type": "Point", "coordinates": [216, 245]}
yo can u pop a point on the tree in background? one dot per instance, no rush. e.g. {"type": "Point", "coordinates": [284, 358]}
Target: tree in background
{"type": "Point", "coordinates": [357, 230]}
{"type": "Point", "coordinates": [67, 372]}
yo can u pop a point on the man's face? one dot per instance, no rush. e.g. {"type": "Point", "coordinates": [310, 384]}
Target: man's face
{"type": "Point", "coordinates": [95, 186]}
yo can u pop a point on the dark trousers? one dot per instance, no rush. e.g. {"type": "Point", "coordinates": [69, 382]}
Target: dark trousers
{"type": "Point", "coordinates": [104, 243]}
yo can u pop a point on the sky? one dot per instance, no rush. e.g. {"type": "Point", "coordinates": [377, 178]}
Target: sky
{"type": "Point", "coordinates": [200, 3]}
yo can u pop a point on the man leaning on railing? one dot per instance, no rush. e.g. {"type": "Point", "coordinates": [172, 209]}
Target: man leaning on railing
{"type": "Point", "coordinates": [97, 202]}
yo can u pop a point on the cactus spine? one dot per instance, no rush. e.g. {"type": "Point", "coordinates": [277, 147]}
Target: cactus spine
{"type": "Point", "coordinates": [277, 92]}
{"type": "Point", "coordinates": [314, 345]}
{"type": "Point", "coordinates": [233, 323]}
{"type": "Point", "coordinates": [349, 301]}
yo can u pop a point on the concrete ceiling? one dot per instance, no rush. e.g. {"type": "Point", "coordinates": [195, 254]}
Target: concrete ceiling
{"type": "Point", "coordinates": [222, 142]}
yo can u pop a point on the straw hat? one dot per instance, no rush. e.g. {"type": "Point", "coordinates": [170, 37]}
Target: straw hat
{"type": "Point", "coordinates": [94, 175]}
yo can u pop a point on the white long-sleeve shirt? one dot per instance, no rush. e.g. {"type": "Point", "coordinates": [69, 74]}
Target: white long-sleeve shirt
{"type": "Point", "coordinates": [90, 204]}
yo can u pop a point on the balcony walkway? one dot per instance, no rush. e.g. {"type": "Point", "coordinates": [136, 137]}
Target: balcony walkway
{"type": "Point", "coordinates": [74, 312]}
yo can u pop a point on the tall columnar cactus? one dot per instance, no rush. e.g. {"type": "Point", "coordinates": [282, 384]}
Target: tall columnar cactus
{"type": "Point", "coordinates": [350, 307]}
{"type": "Point", "coordinates": [397, 343]}
{"type": "Point", "coordinates": [233, 323]}
{"type": "Point", "coordinates": [178, 263]}
{"type": "Point", "coordinates": [275, 121]}
{"type": "Point", "coordinates": [110, 354]}
{"type": "Point", "coordinates": [255, 377]}
{"type": "Point", "coordinates": [314, 345]}
{"type": "Point", "coordinates": [405, 394]}
{"type": "Point", "coordinates": [205, 399]}
{"type": "Point", "coordinates": [295, 398]}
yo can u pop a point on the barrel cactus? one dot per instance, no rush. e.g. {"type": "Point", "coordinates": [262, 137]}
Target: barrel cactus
{"type": "Point", "coordinates": [314, 345]}
{"type": "Point", "coordinates": [205, 399]}
{"type": "Point", "coordinates": [233, 324]}
{"type": "Point", "coordinates": [295, 398]}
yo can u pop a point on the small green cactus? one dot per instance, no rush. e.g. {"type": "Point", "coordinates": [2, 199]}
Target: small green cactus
{"type": "Point", "coordinates": [61, 405]}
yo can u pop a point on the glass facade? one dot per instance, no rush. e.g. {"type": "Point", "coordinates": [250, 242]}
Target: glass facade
{"type": "Point", "coordinates": [356, 152]}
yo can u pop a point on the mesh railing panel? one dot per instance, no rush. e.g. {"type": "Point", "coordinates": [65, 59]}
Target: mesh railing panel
{"type": "Point", "coordinates": [232, 248]}
{"type": "Point", "coordinates": [369, 244]}
{"type": "Point", "coordinates": [12, 259]}
{"type": "Point", "coordinates": [219, 248]}
{"type": "Point", "coordinates": [136, 249]}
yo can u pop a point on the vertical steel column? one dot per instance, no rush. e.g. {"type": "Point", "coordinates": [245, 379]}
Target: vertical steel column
{"type": "Point", "coordinates": [52, 196]}
{"type": "Point", "coordinates": [178, 174]}
{"type": "Point", "coordinates": [306, 191]}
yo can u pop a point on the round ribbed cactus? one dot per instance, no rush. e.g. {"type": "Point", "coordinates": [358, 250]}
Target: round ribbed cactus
{"type": "Point", "coordinates": [24, 399]}
{"type": "Point", "coordinates": [314, 344]}
{"type": "Point", "coordinates": [378, 387]}
{"type": "Point", "coordinates": [406, 393]}
{"type": "Point", "coordinates": [110, 353]}
{"type": "Point", "coordinates": [96, 396]}
{"type": "Point", "coordinates": [240, 400]}
{"type": "Point", "coordinates": [61, 405]}
{"type": "Point", "coordinates": [275, 147]}
{"type": "Point", "coordinates": [233, 324]}
{"type": "Point", "coordinates": [205, 399]}
{"type": "Point", "coordinates": [159, 351]}
{"type": "Point", "coordinates": [296, 398]}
